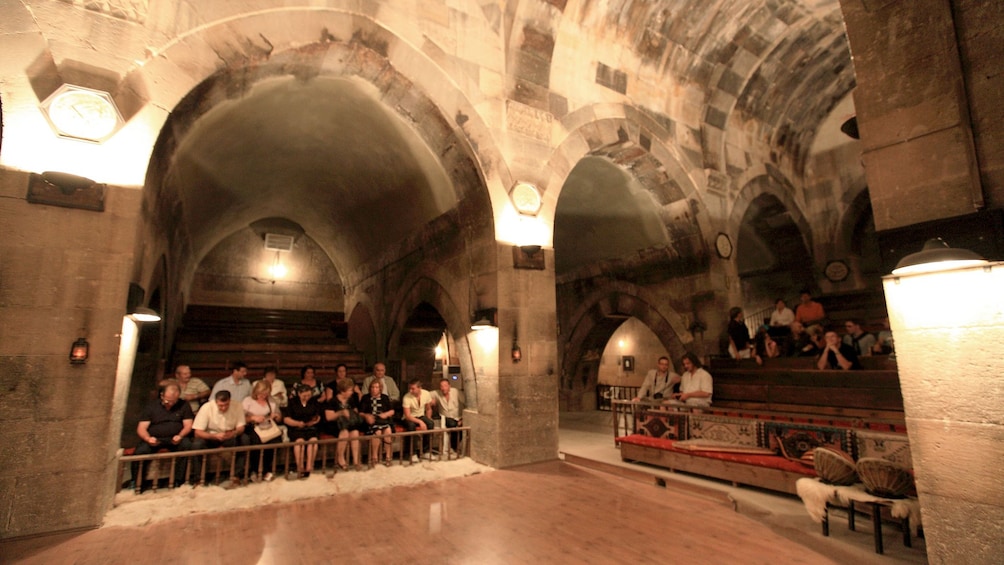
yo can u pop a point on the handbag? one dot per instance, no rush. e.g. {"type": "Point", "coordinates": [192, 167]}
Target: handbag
{"type": "Point", "coordinates": [267, 430]}
{"type": "Point", "coordinates": [267, 434]}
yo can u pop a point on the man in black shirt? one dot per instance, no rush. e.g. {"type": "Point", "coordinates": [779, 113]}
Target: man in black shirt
{"type": "Point", "coordinates": [165, 424]}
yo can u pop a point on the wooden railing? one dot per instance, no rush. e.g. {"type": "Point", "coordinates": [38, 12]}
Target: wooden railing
{"type": "Point", "coordinates": [202, 465]}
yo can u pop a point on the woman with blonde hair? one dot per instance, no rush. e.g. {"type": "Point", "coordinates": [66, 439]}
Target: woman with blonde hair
{"type": "Point", "coordinates": [261, 412]}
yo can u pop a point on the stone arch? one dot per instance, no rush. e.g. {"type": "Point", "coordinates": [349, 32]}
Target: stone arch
{"type": "Point", "coordinates": [424, 286]}
{"type": "Point", "coordinates": [856, 239]}
{"type": "Point", "coordinates": [341, 44]}
{"type": "Point", "coordinates": [776, 185]}
{"type": "Point", "coordinates": [636, 143]}
{"type": "Point", "coordinates": [594, 321]}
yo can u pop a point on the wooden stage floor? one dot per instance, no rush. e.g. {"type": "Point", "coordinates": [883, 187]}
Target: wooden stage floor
{"type": "Point", "coordinates": [552, 512]}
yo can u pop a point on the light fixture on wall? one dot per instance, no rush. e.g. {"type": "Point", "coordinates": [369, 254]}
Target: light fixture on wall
{"type": "Point", "coordinates": [79, 351]}
{"type": "Point", "coordinates": [484, 319]}
{"type": "Point", "coordinates": [277, 270]}
{"type": "Point", "coordinates": [936, 255]}
{"type": "Point", "coordinates": [517, 353]}
{"type": "Point", "coordinates": [143, 314]}
{"type": "Point", "coordinates": [68, 191]}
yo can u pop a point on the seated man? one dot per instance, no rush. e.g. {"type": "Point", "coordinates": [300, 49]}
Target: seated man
{"type": "Point", "coordinates": [781, 316]}
{"type": "Point", "coordinates": [858, 338]}
{"type": "Point", "coordinates": [450, 407]}
{"type": "Point", "coordinates": [837, 355]}
{"type": "Point", "coordinates": [216, 425]}
{"type": "Point", "coordinates": [659, 382]}
{"type": "Point", "coordinates": [237, 384]}
{"type": "Point", "coordinates": [740, 344]}
{"type": "Point", "coordinates": [165, 424]}
{"type": "Point", "coordinates": [809, 311]}
{"type": "Point", "coordinates": [387, 384]}
{"type": "Point", "coordinates": [194, 390]}
{"type": "Point", "coordinates": [417, 406]}
{"type": "Point", "coordinates": [695, 383]}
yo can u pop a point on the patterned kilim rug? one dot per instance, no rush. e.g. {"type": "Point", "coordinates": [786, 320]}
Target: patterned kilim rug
{"type": "Point", "coordinates": [891, 447]}
{"type": "Point", "coordinates": [737, 431]}
{"type": "Point", "coordinates": [794, 440]}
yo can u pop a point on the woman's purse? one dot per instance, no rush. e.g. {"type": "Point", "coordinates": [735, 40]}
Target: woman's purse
{"type": "Point", "coordinates": [267, 430]}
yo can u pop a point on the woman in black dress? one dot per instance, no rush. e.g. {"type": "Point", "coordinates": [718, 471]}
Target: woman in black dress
{"type": "Point", "coordinates": [342, 410]}
{"type": "Point", "coordinates": [301, 417]}
{"type": "Point", "coordinates": [376, 410]}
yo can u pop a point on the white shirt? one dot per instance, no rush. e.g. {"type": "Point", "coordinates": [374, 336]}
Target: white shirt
{"type": "Point", "coordinates": [211, 420]}
{"type": "Point", "coordinates": [783, 318]}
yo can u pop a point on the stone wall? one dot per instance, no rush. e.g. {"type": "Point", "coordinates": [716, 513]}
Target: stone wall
{"type": "Point", "coordinates": [64, 274]}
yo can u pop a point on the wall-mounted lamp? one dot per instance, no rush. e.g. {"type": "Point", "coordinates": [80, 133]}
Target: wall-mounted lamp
{"type": "Point", "coordinates": [937, 256]}
{"type": "Point", "coordinates": [528, 257]}
{"type": "Point", "coordinates": [484, 320]}
{"type": "Point", "coordinates": [79, 351]}
{"type": "Point", "coordinates": [517, 353]}
{"type": "Point", "coordinates": [142, 314]}
{"type": "Point", "coordinates": [69, 191]}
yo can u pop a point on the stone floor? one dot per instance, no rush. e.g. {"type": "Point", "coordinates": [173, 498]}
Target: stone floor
{"type": "Point", "coordinates": [591, 508]}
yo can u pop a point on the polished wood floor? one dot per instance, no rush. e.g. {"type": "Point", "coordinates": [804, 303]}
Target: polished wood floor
{"type": "Point", "coordinates": [543, 513]}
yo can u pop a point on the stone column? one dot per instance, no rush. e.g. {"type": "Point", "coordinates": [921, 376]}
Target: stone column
{"type": "Point", "coordinates": [949, 336]}
{"type": "Point", "coordinates": [524, 395]}
{"type": "Point", "coordinates": [64, 274]}
{"type": "Point", "coordinates": [912, 111]}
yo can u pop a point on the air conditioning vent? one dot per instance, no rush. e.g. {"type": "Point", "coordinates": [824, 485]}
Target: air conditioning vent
{"type": "Point", "coordinates": [278, 242]}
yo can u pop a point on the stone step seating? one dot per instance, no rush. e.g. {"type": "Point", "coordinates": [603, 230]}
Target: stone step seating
{"type": "Point", "coordinates": [212, 338]}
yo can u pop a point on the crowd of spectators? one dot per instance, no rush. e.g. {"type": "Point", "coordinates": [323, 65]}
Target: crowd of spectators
{"type": "Point", "coordinates": [188, 415]}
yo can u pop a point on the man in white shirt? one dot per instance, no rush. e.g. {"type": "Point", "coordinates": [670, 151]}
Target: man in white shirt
{"type": "Point", "coordinates": [219, 425]}
{"type": "Point", "coordinates": [781, 316]}
{"type": "Point", "coordinates": [387, 384]}
{"type": "Point", "coordinates": [417, 406]}
{"type": "Point", "coordinates": [696, 385]}
{"type": "Point", "coordinates": [450, 407]}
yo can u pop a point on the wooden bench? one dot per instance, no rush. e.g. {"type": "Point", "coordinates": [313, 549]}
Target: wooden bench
{"type": "Point", "coordinates": [769, 446]}
{"type": "Point", "coordinates": [796, 385]}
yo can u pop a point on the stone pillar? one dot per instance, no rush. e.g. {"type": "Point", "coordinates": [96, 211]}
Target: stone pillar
{"type": "Point", "coordinates": [950, 353]}
{"type": "Point", "coordinates": [912, 111]}
{"type": "Point", "coordinates": [517, 421]}
{"type": "Point", "coordinates": [64, 274]}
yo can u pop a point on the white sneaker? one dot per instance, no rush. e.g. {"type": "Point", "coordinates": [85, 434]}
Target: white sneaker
{"type": "Point", "coordinates": [427, 456]}
{"type": "Point", "coordinates": [414, 458]}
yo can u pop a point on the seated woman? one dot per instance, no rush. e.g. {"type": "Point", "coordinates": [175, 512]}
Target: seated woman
{"type": "Point", "coordinates": [376, 410]}
{"type": "Point", "coordinates": [301, 417]}
{"type": "Point", "coordinates": [764, 345]}
{"type": "Point", "coordinates": [342, 410]}
{"type": "Point", "coordinates": [262, 414]}
{"type": "Point", "coordinates": [308, 377]}
{"type": "Point", "coordinates": [695, 383]}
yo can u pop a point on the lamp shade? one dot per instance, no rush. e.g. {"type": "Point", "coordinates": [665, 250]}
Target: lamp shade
{"type": "Point", "coordinates": [936, 256]}
{"type": "Point", "coordinates": [482, 324]}
{"type": "Point", "coordinates": [142, 314]}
